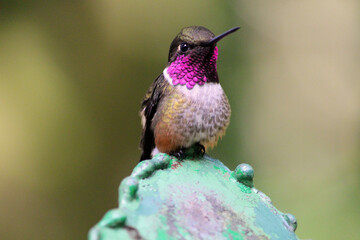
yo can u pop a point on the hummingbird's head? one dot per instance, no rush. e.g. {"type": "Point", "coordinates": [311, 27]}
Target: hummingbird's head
{"type": "Point", "coordinates": [193, 55]}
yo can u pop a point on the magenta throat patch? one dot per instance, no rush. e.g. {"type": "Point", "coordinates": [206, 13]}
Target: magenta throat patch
{"type": "Point", "coordinates": [190, 70]}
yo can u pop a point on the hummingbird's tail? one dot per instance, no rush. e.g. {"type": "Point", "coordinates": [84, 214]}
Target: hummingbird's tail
{"type": "Point", "coordinates": [147, 144]}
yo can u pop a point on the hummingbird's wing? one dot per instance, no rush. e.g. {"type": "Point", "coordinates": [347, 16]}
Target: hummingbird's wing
{"type": "Point", "coordinates": [148, 109]}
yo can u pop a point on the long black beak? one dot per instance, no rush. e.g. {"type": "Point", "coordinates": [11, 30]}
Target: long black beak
{"type": "Point", "coordinates": [221, 36]}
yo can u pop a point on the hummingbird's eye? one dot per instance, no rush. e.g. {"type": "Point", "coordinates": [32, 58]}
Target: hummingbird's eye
{"type": "Point", "coordinates": [184, 47]}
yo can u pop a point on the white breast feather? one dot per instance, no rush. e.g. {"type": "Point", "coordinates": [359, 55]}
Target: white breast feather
{"type": "Point", "coordinates": [209, 100]}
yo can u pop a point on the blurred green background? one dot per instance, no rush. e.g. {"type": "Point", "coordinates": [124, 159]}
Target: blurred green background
{"type": "Point", "coordinates": [73, 73]}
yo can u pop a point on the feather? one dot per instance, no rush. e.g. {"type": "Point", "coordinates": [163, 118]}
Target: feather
{"type": "Point", "coordinates": [148, 109]}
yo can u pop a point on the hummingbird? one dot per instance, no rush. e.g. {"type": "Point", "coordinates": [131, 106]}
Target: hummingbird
{"type": "Point", "coordinates": [186, 107]}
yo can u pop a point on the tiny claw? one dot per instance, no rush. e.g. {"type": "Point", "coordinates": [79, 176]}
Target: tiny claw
{"type": "Point", "coordinates": [180, 154]}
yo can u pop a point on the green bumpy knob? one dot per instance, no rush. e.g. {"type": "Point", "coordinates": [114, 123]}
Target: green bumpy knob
{"type": "Point", "coordinates": [244, 173]}
{"type": "Point", "coordinates": [291, 221]}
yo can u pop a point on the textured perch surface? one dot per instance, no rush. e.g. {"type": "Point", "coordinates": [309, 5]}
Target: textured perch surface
{"type": "Point", "coordinates": [165, 198]}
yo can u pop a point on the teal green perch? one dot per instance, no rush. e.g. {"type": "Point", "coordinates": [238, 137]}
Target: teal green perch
{"type": "Point", "coordinates": [165, 198]}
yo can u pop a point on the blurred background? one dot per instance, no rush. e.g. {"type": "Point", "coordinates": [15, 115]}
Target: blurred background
{"type": "Point", "coordinates": [73, 73]}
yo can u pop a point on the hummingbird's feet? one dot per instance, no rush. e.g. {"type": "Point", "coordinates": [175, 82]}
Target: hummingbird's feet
{"type": "Point", "coordinates": [180, 154]}
{"type": "Point", "coordinates": [199, 150]}
{"type": "Point", "coordinates": [195, 151]}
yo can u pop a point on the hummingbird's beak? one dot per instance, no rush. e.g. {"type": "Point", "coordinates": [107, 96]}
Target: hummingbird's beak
{"type": "Point", "coordinates": [219, 37]}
